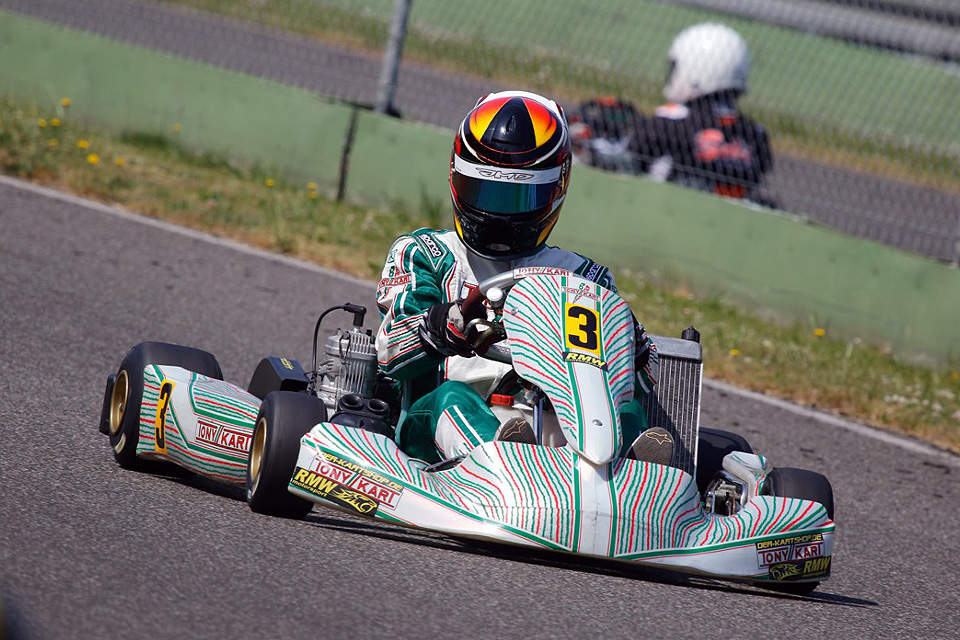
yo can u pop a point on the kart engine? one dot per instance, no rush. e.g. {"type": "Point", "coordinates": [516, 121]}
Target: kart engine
{"type": "Point", "coordinates": [351, 365]}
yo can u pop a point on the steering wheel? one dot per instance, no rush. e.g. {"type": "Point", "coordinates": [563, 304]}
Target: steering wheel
{"type": "Point", "coordinates": [485, 336]}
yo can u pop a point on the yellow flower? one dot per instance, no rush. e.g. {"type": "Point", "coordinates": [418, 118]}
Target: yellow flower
{"type": "Point", "coordinates": [65, 102]}
{"type": "Point", "coordinates": [54, 143]}
{"type": "Point", "coordinates": [313, 195]}
{"type": "Point", "coordinates": [955, 376]}
{"type": "Point", "coordinates": [819, 332]}
{"type": "Point", "coordinates": [269, 182]}
{"type": "Point", "coordinates": [93, 158]}
{"type": "Point", "coordinates": [83, 144]}
{"type": "Point", "coordinates": [177, 127]}
{"type": "Point", "coordinates": [119, 162]}
{"type": "Point", "coordinates": [54, 122]}
{"type": "Point", "coordinates": [311, 186]}
{"type": "Point", "coordinates": [41, 123]}
{"type": "Point", "coordinates": [734, 352]}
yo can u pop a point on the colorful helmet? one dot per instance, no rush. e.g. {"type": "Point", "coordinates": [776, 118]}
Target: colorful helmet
{"type": "Point", "coordinates": [704, 59]}
{"type": "Point", "coordinates": [509, 172]}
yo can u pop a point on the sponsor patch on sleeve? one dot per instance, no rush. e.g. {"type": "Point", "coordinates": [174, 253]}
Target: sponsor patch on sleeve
{"type": "Point", "coordinates": [434, 250]}
{"type": "Point", "coordinates": [398, 280]}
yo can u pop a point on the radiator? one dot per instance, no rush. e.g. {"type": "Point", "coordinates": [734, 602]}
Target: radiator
{"type": "Point", "coordinates": [675, 403]}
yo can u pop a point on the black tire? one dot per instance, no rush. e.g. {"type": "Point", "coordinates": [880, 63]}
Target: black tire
{"type": "Point", "coordinates": [123, 407]}
{"type": "Point", "coordinates": [712, 446]}
{"type": "Point", "coordinates": [284, 417]}
{"type": "Point", "coordinates": [787, 482]}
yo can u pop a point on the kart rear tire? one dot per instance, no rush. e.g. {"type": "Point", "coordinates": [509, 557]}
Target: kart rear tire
{"type": "Point", "coordinates": [284, 417]}
{"type": "Point", "coordinates": [787, 482]}
{"type": "Point", "coordinates": [126, 392]}
{"type": "Point", "coordinates": [712, 446]}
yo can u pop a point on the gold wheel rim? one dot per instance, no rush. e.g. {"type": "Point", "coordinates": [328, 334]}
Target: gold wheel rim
{"type": "Point", "coordinates": [118, 401]}
{"type": "Point", "coordinates": [256, 451]}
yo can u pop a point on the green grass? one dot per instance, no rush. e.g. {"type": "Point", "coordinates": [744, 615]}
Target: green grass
{"type": "Point", "coordinates": [156, 176]}
{"type": "Point", "coordinates": [820, 97]}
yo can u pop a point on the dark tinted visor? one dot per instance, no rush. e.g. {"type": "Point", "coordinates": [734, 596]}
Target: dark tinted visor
{"type": "Point", "coordinates": [503, 198]}
{"type": "Point", "coordinates": [505, 191]}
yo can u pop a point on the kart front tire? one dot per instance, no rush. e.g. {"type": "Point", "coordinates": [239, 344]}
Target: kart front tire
{"type": "Point", "coordinates": [122, 408]}
{"type": "Point", "coordinates": [787, 482]}
{"type": "Point", "coordinates": [284, 417]}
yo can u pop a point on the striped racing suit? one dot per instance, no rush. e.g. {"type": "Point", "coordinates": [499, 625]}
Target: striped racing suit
{"type": "Point", "coordinates": [444, 411]}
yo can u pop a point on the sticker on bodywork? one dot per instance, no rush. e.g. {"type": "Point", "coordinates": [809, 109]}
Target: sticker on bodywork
{"type": "Point", "coordinates": [347, 484]}
{"type": "Point", "coordinates": [163, 403]}
{"type": "Point", "coordinates": [327, 489]}
{"type": "Point", "coordinates": [794, 557]}
{"type": "Point", "coordinates": [582, 329]}
{"type": "Point", "coordinates": [584, 358]}
{"type": "Point", "coordinates": [223, 437]}
{"type": "Point", "coordinates": [789, 549]}
{"type": "Point", "coordinates": [801, 570]}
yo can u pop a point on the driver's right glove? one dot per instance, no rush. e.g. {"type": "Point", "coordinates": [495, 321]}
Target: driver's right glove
{"type": "Point", "coordinates": [442, 331]}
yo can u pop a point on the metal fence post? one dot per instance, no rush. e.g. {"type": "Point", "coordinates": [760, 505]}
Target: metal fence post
{"type": "Point", "coordinates": [391, 58]}
{"type": "Point", "coordinates": [956, 246]}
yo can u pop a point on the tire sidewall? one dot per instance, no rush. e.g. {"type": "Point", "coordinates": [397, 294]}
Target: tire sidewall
{"type": "Point", "coordinates": [134, 363]}
{"type": "Point", "coordinates": [287, 416]}
{"type": "Point", "coordinates": [787, 482]}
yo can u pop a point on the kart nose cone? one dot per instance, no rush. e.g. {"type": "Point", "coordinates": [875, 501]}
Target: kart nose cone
{"type": "Point", "coordinates": [599, 450]}
{"type": "Point", "coordinates": [597, 436]}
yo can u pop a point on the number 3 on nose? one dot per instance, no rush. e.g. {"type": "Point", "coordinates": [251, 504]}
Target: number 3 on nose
{"type": "Point", "coordinates": [582, 326]}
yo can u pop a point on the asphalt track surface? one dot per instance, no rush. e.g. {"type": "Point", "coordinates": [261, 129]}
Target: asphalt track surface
{"type": "Point", "coordinates": [88, 550]}
{"type": "Point", "coordinates": [917, 219]}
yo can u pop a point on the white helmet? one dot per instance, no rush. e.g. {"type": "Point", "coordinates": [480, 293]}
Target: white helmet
{"type": "Point", "coordinates": [704, 59]}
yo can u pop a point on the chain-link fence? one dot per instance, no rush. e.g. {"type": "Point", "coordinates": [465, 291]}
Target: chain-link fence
{"type": "Point", "coordinates": [859, 98]}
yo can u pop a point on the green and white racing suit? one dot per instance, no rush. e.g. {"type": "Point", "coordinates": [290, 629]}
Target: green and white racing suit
{"type": "Point", "coordinates": [444, 400]}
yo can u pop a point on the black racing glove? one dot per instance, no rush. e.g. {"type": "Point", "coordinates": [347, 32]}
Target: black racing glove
{"type": "Point", "coordinates": [646, 362]}
{"type": "Point", "coordinates": [442, 331]}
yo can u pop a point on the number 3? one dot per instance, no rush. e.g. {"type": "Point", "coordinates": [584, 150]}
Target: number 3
{"type": "Point", "coordinates": [163, 403]}
{"type": "Point", "coordinates": [583, 334]}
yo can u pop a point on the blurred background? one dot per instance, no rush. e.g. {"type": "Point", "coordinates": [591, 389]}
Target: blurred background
{"type": "Point", "coordinates": [859, 98]}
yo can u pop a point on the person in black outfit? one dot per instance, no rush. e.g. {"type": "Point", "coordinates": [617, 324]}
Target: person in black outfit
{"type": "Point", "coordinates": [699, 138]}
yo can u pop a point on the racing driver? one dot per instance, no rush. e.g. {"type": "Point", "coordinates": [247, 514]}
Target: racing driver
{"type": "Point", "coordinates": [700, 138]}
{"type": "Point", "coordinates": [499, 224]}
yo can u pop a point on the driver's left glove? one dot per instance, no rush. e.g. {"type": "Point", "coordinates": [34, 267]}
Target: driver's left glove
{"type": "Point", "coordinates": [646, 361]}
{"type": "Point", "coordinates": [442, 331]}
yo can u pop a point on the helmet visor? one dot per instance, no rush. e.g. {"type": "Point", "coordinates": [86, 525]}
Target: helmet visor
{"type": "Point", "coordinates": [504, 237]}
{"type": "Point", "coordinates": [504, 191]}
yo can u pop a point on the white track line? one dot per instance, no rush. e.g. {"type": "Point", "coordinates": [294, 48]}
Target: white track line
{"type": "Point", "coordinates": [830, 420]}
{"type": "Point", "coordinates": [99, 207]}
{"type": "Point", "coordinates": [827, 419]}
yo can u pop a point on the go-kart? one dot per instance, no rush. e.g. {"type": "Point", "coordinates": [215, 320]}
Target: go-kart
{"type": "Point", "coordinates": [717, 509]}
